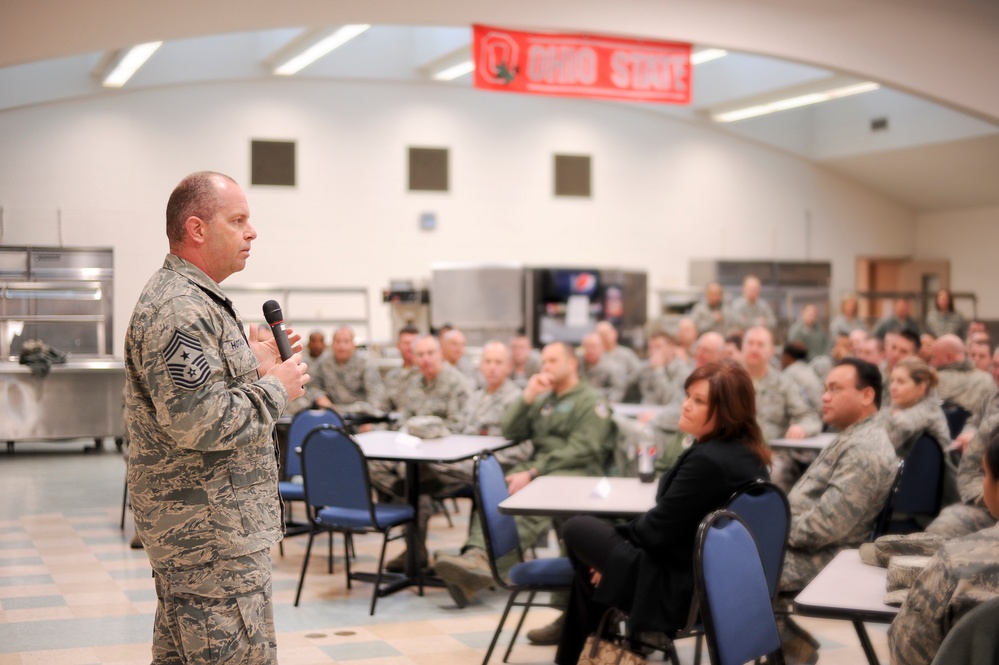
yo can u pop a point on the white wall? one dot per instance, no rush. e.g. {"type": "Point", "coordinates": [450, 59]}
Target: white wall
{"type": "Point", "coordinates": [969, 239]}
{"type": "Point", "coordinates": [664, 191]}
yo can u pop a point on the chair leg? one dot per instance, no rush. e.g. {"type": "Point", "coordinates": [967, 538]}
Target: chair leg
{"type": "Point", "coordinates": [346, 562]}
{"type": "Point", "coordinates": [698, 644]}
{"type": "Point", "coordinates": [349, 539]}
{"type": "Point", "coordinates": [520, 624]}
{"type": "Point", "coordinates": [305, 564]}
{"type": "Point", "coordinates": [330, 555]}
{"type": "Point", "coordinates": [378, 575]}
{"type": "Point", "coordinates": [499, 628]}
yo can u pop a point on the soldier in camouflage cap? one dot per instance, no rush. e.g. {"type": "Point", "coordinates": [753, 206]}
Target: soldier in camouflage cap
{"type": "Point", "coordinates": [345, 381]}
{"type": "Point", "coordinates": [835, 503]}
{"type": "Point", "coordinates": [200, 407]}
{"type": "Point", "coordinates": [963, 574]}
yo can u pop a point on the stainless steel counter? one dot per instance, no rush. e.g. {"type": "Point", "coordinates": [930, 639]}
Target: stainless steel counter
{"type": "Point", "coordinates": [79, 399]}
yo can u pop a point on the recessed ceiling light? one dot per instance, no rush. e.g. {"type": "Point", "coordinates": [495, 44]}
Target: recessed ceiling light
{"type": "Point", "coordinates": [793, 97]}
{"type": "Point", "coordinates": [127, 63]}
{"type": "Point", "coordinates": [293, 63]}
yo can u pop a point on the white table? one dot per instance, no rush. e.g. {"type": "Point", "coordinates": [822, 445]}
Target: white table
{"type": "Point", "coordinates": [565, 496]}
{"type": "Point", "coordinates": [817, 442]}
{"type": "Point", "coordinates": [393, 447]}
{"type": "Point", "coordinates": [851, 590]}
{"type": "Point", "coordinates": [635, 410]}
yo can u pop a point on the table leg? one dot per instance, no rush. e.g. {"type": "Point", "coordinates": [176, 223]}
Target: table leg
{"type": "Point", "coordinates": [865, 643]}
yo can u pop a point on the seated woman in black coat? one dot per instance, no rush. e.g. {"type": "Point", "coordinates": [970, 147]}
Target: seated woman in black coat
{"type": "Point", "coordinates": [645, 567]}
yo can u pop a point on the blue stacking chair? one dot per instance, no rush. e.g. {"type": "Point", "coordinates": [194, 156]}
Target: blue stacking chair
{"type": "Point", "coordinates": [920, 492]}
{"type": "Point", "coordinates": [338, 496]}
{"type": "Point", "coordinates": [765, 510]}
{"type": "Point", "coordinates": [733, 593]}
{"type": "Point", "coordinates": [530, 577]}
{"type": "Point", "coordinates": [292, 490]}
{"type": "Point", "coordinates": [883, 519]}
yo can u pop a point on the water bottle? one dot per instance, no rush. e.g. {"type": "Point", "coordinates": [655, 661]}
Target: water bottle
{"type": "Point", "coordinates": [647, 456]}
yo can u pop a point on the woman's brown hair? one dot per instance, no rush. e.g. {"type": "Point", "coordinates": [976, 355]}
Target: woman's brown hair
{"type": "Point", "coordinates": [732, 403]}
{"type": "Point", "coordinates": [921, 372]}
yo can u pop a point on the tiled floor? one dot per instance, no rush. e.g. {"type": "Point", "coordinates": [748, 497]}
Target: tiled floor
{"type": "Point", "coordinates": [73, 593]}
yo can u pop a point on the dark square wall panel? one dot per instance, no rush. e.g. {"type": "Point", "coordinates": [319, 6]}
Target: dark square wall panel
{"type": "Point", "coordinates": [272, 163]}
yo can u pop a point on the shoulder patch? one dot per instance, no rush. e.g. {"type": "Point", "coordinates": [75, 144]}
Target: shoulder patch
{"type": "Point", "coordinates": [602, 410]}
{"type": "Point", "coordinates": [185, 360]}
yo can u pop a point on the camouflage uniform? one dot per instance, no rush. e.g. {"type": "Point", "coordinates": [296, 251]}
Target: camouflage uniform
{"type": "Point", "coordinates": [834, 505]}
{"type": "Point", "coordinates": [572, 437]}
{"type": "Point", "coordinates": [904, 426]}
{"type": "Point", "coordinates": [655, 386]}
{"type": "Point", "coordinates": [971, 514]}
{"type": "Point", "coordinates": [482, 416]}
{"type": "Point", "coordinates": [444, 397]}
{"type": "Point", "coordinates": [892, 323]}
{"type": "Point", "coordinates": [202, 471]}
{"type": "Point", "coordinates": [965, 385]}
{"type": "Point", "coordinates": [470, 371]}
{"type": "Point", "coordinates": [841, 325]}
{"type": "Point", "coordinates": [780, 403]}
{"type": "Point", "coordinates": [531, 367]}
{"type": "Point", "coordinates": [703, 316]}
{"type": "Point", "coordinates": [625, 358]}
{"type": "Point", "coordinates": [395, 382]}
{"type": "Point", "coordinates": [942, 323]}
{"type": "Point", "coordinates": [815, 339]}
{"type": "Point", "coordinates": [962, 574]}
{"type": "Point", "coordinates": [354, 386]}
{"type": "Point", "coordinates": [748, 315]}
{"type": "Point", "coordinates": [606, 377]}
{"type": "Point", "coordinates": [803, 376]}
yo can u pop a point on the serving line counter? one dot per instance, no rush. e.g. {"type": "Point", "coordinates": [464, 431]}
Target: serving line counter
{"type": "Point", "coordinates": [79, 399]}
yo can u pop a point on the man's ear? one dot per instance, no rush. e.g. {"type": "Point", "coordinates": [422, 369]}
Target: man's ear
{"type": "Point", "coordinates": [867, 396]}
{"type": "Point", "coordinates": [196, 229]}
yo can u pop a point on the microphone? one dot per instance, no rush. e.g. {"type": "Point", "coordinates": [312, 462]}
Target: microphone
{"type": "Point", "coordinates": [275, 319]}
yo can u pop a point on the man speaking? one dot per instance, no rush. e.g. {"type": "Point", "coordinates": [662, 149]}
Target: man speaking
{"type": "Point", "coordinates": [200, 407]}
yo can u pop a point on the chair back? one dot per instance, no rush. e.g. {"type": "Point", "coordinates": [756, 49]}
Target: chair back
{"type": "Point", "coordinates": [335, 471]}
{"type": "Point", "coordinates": [883, 519]}
{"type": "Point", "coordinates": [921, 489]}
{"type": "Point", "coordinates": [500, 530]}
{"type": "Point", "coordinates": [764, 508]}
{"type": "Point", "coordinates": [303, 423]}
{"type": "Point", "coordinates": [957, 417]}
{"type": "Point", "coordinates": [733, 593]}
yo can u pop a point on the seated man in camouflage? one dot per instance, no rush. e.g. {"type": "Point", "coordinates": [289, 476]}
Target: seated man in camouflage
{"type": "Point", "coordinates": [345, 381]}
{"type": "Point", "coordinates": [438, 389]}
{"type": "Point", "coordinates": [482, 416]}
{"type": "Point", "coordinates": [961, 383]}
{"type": "Point", "coordinates": [569, 424]}
{"type": "Point", "coordinates": [604, 375]}
{"type": "Point", "coordinates": [395, 379]}
{"type": "Point", "coordinates": [963, 574]}
{"type": "Point", "coordinates": [835, 503]}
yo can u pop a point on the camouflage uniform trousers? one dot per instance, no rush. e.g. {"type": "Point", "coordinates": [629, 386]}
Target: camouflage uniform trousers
{"type": "Point", "coordinates": [216, 613]}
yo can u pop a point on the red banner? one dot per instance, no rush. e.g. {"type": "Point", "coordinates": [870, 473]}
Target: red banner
{"type": "Point", "coordinates": [582, 66]}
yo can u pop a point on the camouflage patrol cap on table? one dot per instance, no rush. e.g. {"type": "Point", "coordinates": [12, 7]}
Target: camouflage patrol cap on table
{"type": "Point", "coordinates": [427, 427]}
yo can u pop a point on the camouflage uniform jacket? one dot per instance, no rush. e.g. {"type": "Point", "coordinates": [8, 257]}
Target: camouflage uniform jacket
{"type": "Point", "coordinates": [444, 397]}
{"type": "Point", "coordinates": [748, 315]}
{"type": "Point", "coordinates": [606, 377]}
{"type": "Point", "coordinates": [571, 433]}
{"type": "Point", "coordinates": [843, 326]}
{"type": "Point", "coordinates": [965, 385]}
{"type": "Point", "coordinates": [905, 425]}
{"type": "Point", "coordinates": [803, 376]}
{"type": "Point", "coordinates": [531, 367]}
{"type": "Point", "coordinates": [655, 385]}
{"type": "Point", "coordinates": [202, 472]}
{"type": "Point", "coordinates": [815, 339]}
{"type": "Point", "coordinates": [892, 323]}
{"type": "Point", "coordinates": [625, 358]}
{"type": "Point", "coordinates": [395, 382]}
{"type": "Point", "coordinates": [834, 504]}
{"type": "Point", "coordinates": [942, 323]}
{"type": "Point", "coordinates": [962, 574]}
{"type": "Point", "coordinates": [354, 386]}
{"type": "Point", "coordinates": [969, 470]}
{"type": "Point", "coordinates": [705, 317]}
{"type": "Point", "coordinates": [484, 411]}
{"type": "Point", "coordinates": [471, 372]}
{"type": "Point", "coordinates": [780, 404]}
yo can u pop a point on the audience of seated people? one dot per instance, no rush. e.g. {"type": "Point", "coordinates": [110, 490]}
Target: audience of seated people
{"type": "Point", "coordinates": [879, 395]}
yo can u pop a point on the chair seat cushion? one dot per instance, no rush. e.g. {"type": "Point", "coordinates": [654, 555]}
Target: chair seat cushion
{"type": "Point", "coordinates": [387, 515]}
{"type": "Point", "coordinates": [291, 491]}
{"type": "Point", "coordinates": [549, 571]}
